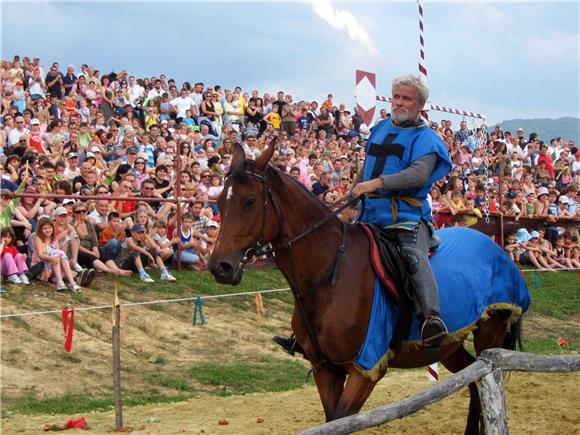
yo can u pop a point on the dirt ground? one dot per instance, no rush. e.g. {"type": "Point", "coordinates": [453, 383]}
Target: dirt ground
{"type": "Point", "coordinates": [542, 404]}
{"type": "Point", "coordinates": [33, 360]}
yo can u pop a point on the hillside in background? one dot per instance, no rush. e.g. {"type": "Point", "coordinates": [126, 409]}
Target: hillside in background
{"type": "Point", "coordinates": [567, 128]}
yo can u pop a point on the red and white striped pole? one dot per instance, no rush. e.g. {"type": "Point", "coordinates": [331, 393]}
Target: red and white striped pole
{"type": "Point", "coordinates": [433, 369]}
{"type": "Point", "coordinates": [422, 67]}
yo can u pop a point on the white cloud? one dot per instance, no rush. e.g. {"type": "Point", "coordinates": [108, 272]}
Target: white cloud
{"type": "Point", "coordinates": [342, 19]}
{"type": "Point", "coordinates": [553, 47]}
{"type": "Point", "coordinates": [482, 14]}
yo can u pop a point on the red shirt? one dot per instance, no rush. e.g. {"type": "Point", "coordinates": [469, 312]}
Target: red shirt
{"type": "Point", "coordinates": [36, 141]}
{"type": "Point", "coordinates": [548, 161]}
{"type": "Point", "coordinates": [11, 249]}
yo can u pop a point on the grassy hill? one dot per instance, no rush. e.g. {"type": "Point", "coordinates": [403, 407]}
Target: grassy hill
{"type": "Point", "coordinates": [567, 128]}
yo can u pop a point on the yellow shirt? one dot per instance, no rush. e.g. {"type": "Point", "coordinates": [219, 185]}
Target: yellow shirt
{"type": "Point", "coordinates": [275, 119]}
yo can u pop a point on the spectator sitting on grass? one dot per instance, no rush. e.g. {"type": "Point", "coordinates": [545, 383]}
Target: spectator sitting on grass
{"type": "Point", "coordinates": [134, 256]}
{"type": "Point", "coordinates": [163, 246]}
{"type": "Point", "coordinates": [55, 262]}
{"type": "Point", "coordinates": [13, 265]}
{"type": "Point", "coordinates": [112, 236]}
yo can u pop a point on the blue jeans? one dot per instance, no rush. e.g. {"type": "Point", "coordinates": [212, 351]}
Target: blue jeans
{"type": "Point", "coordinates": [188, 256]}
{"type": "Point", "coordinates": [111, 249]}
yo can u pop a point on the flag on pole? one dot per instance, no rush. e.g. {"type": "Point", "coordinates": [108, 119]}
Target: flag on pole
{"type": "Point", "coordinates": [366, 95]}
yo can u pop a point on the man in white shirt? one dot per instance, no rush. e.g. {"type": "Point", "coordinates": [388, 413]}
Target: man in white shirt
{"type": "Point", "coordinates": [197, 95]}
{"type": "Point", "coordinates": [135, 91]}
{"type": "Point", "coordinates": [182, 104]}
{"type": "Point", "coordinates": [157, 91]}
{"type": "Point", "coordinates": [18, 133]}
{"type": "Point", "coordinates": [72, 169]}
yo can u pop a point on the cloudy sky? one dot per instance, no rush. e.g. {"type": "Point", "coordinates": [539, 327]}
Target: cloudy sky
{"type": "Point", "coordinates": [504, 59]}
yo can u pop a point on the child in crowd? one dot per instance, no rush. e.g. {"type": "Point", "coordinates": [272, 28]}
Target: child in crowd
{"type": "Point", "coordinates": [190, 243]}
{"type": "Point", "coordinates": [112, 235]}
{"type": "Point", "coordinates": [207, 245]}
{"type": "Point", "coordinates": [562, 254]}
{"type": "Point", "coordinates": [13, 264]}
{"type": "Point", "coordinates": [572, 247]}
{"type": "Point", "coordinates": [512, 247]}
{"type": "Point", "coordinates": [134, 255]}
{"type": "Point", "coordinates": [54, 260]}
{"type": "Point", "coordinates": [163, 246]}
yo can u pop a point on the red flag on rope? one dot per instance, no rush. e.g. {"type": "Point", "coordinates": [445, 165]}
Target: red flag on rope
{"type": "Point", "coordinates": [68, 323]}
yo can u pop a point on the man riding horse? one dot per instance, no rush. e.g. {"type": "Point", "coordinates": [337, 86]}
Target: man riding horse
{"type": "Point", "coordinates": [404, 157]}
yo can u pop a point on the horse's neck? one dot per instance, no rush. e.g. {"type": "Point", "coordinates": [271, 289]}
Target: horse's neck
{"type": "Point", "coordinates": [313, 255]}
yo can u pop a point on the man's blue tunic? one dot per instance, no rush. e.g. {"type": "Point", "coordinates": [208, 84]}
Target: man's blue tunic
{"type": "Point", "coordinates": [391, 149]}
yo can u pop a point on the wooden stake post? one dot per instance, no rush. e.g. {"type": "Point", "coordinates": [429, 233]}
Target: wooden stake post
{"type": "Point", "coordinates": [117, 359]}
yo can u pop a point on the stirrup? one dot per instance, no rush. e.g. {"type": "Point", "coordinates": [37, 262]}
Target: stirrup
{"type": "Point", "coordinates": [433, 332]}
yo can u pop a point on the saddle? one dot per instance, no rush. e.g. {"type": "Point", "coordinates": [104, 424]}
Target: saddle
{"type": "Point", "coordinates": [390, 269]}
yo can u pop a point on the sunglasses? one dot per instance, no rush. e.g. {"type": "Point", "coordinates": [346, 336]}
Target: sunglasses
{"type": "Point", "coordinates": [80, 211]}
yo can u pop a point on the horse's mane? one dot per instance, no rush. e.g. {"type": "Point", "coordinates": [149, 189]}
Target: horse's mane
{"type": "Point", "coordinates": [242, 173]}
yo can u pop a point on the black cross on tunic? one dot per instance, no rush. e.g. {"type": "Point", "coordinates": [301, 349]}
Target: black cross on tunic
{"type": "Point", "coordinates": [382, 151]}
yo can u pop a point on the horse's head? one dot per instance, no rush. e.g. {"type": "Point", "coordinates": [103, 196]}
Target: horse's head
{"type": "Point", "coordinates": [249, 219]}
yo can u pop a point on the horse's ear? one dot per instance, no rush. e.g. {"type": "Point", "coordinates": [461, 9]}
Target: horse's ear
{"type": "Point", "coordinates": [238, 156]}
{"type": "Point", "coordinates": [267, 154]}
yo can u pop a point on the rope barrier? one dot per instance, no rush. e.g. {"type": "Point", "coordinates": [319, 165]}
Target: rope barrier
{"type": "Point", "coordinates": [169, 301]}
{"type": "Point", "coordinates": [133, 304]}
{"type": "Point", "coordinates": [568, 269]}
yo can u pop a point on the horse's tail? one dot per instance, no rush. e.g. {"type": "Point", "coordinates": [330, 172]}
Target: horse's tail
{"type": "Point", "coordinates": [514, 336]}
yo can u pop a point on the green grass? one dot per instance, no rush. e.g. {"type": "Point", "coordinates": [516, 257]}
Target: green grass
{"type": "Point", "coordinates": [203, 283]}
{"type": "Point", "coordinates": [79, 403]}
{"type": "Point", "coordinates": [558, 294]}
{"type": "Point", "coordinates": [548, 346]}
{"type": "Point", "coordinates": [260, 375]}
{"type": "Point", "coordinates": [265, 374]}
{"type": "Point", "coordinates": [178, 384]}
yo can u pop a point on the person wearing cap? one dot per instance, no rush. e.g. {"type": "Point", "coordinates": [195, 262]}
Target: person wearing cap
{"type": "Point", "coordinates": [404, 158]}
{"type": "Point", "coordinates": [134, 254]}
{"type": "Point", "coordinates": [72, 169]}
{"type": "Point", "coordinates": [542, 204]}
{"type": "Point", "coordinates": [68, 241]}
{"type": "Point", "coordinates": [19, 96]}
{"type": "Point", "coordinates": [208, 244]}
{"type": "Point", "coordinates": [563, 211]}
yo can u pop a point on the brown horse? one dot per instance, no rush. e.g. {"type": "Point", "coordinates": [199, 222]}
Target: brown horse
{"type": "Point", "coordinates": [334, 293]}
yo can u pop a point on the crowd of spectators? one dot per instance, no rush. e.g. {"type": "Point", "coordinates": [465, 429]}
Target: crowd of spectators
{"type": "Point", "coordinates": [114, 135]}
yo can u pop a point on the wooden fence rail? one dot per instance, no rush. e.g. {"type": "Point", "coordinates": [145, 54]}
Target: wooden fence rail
{"type": "Point", "coordinates": [487, 371]}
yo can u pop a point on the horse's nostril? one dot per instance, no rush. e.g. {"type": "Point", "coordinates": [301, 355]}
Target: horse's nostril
{"type": "Point", "coordinates": [225, 269]}
{"type": "Point", "coordinates": [221, 270]}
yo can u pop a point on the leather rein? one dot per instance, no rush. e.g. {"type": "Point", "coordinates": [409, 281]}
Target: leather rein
{"type": "Point", "coordinates": [261, 248]}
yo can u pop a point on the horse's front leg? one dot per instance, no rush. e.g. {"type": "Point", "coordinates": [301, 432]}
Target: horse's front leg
{"type": "Point", "coordinates": [356, 392]}
{"type": "Point", "coordinates": [330, 386]}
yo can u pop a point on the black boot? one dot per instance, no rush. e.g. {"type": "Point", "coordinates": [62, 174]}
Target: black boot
{"type": "Point", "coordinates": [432, 334]}
{"type": "Point", "coordinates": [289, 344]}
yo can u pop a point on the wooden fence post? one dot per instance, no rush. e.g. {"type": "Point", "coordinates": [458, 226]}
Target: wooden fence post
{"type": "Point", "coordinates": [117, 360]}
{"type": "Point", "coordinates": [490, 388]}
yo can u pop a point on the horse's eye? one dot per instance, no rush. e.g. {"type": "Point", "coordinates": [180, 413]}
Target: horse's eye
{"type": "Point", "coordinates": [250, 202]}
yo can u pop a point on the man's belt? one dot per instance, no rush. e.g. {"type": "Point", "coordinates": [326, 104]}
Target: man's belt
{"type": "Point", "coordinates": [416, 202]}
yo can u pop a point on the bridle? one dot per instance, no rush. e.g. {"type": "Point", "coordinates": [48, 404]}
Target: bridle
{"type": "Point", "coordinates": [262, 248]}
